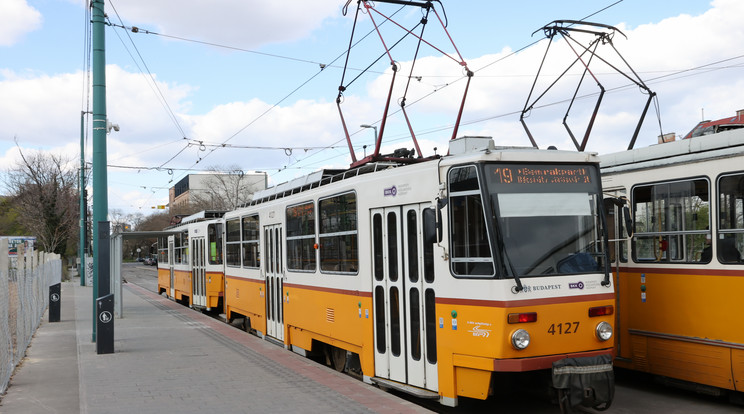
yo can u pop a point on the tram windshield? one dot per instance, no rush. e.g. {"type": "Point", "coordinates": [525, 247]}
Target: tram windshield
{"type": "Point", "coordinates": [547, 218]}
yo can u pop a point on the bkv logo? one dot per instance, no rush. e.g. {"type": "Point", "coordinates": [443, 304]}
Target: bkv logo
{"type": "Point", "coordinates": [392, 191]}
{"type": "Point", "coordinates": [577, 285]}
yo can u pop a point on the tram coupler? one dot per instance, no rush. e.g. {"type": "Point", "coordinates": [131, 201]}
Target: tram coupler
{"type": "Point", "coordinates": [586, 381]}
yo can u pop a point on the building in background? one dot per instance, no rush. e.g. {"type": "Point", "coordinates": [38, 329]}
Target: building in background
{"type": "Point", "coordinates": [215, 191]}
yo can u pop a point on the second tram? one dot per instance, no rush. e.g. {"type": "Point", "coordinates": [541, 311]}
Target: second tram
{"type": "Point", "coordinates": [680, 276]}
{"type": "Point", "coordinates": [190, 262]}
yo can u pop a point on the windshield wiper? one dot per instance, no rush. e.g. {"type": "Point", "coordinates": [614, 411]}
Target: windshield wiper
{"type": "Point", "coordinates": [508, 260]}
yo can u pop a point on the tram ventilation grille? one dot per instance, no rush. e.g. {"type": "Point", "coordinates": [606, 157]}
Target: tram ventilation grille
{"type": "Point", "coordinates": [330, 315]}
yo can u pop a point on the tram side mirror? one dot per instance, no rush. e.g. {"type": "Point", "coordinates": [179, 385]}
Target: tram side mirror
{"type": "Point", "coordinates": [433, 222]}
{"type": "Point", "coordinates": [628, 221]}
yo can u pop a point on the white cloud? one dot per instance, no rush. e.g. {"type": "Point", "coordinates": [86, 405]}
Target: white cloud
{"type": "Point", "coordinates": [40, 109]}
{"type": "Point", "coordinates": [17, 18]}
{"type": "Point", "coordinates": [43, 110]}
{"type": "Point", "coordinates": [245, 24]}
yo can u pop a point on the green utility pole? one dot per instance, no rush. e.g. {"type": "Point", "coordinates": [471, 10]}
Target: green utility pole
{"type": "Point", "coordinates": [100, 178]}
{"type": "Point", "coordinates": [83, 201]}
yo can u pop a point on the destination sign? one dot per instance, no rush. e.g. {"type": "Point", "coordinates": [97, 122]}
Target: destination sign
{"type": "Point", "coordinates": [542, 175]}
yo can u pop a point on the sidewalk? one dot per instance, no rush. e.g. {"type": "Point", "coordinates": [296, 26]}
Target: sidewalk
{"type": "Point", "coordinates": [168, 359]}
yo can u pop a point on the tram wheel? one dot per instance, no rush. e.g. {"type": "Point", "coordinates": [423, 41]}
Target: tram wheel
{"type": "Point", "coordinates": [338, 356]}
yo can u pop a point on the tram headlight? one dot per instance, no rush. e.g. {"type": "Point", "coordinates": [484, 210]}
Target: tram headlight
{"type": "Point", "coordinates": [520, 339]}
{"type": "Point", "coordinates": [604, 331]}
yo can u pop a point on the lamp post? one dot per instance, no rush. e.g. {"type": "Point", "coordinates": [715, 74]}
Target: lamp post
{"type": "Point", "coordinates": [375, 131]}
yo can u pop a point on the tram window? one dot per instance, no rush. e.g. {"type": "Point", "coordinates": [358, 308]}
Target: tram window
{"type": "Point", "coordinates": [250, 240]}
{"type": "Point", "coordinates": [412, 241]}
{"type": "Point", "coordinates": [392, 243]}
{"type": "Point", "coordinates": [214, 232]}
{"type": "Point", "coordinates": [415, 314]}
{"type": "Point", "coordinates": [380, 318]}
{"type": "Point", "coordinates": [730, 218]}
{"type": "Point", "coordinates": [431, 326]}
{"type": "Point", "coordinates": [183, 249]}
{"type": "Point", "coordinates": [163, 250]}
{"type": "Point", "coordinates": [671, 221]}
{"type": "Point", "coordinates": [394, 321]}
{"type": "Point", "coordinates": [471, 252]}
{"type": "Point", "coordinates": [338, 234]}
{"type": "Point", "coordinates": [268, 252]}
{"type": "Point", "coordinates": [232, 242]}
{"type": "Point", "coordinates": [428, 261]}
{"type": "Point", "coordinates": [177, 248]}
{"type": "Point", "coordinates": [377, 246]}
{"type": "Point", "coordinates": [301, 237]}
{"type": "Point", "coordinates": [616, 231]}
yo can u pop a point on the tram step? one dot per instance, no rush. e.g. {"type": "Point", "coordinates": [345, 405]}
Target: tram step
{"type": "Point", "coordinates": [408, 389]}
{"type": "Point", "coordinates": [274, 341]}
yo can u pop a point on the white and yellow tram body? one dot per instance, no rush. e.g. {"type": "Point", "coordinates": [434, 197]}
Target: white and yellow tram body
{"type": "Point", "coordinates": [681, 275]}
{"type": "Point", "coordinates": [346, 261]}
{"type": "Point", "coordinates": [190, 263]}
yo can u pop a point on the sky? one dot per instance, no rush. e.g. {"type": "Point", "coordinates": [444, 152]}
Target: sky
{"type": "Point", "coordinates": [252, 85]}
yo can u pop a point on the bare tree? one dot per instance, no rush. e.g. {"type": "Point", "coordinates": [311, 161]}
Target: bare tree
{"type": "Point", "coordinates": [43, 190]}
{"type": "Point", "coordinates": [226, 189]}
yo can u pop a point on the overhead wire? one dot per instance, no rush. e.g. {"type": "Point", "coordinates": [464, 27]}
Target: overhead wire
{"type": "Point", "coordinates": [163, 100]}
{"type": "Point", "coordinates": [320, 149]}
{"type": "Point", "coordinates": [322, 67]}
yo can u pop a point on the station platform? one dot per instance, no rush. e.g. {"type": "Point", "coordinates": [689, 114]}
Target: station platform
{"type": "Point", "coordinates": [168, 358]}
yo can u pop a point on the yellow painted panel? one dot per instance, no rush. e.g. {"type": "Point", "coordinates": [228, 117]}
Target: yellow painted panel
{"type": "Point", "coordinates": [483, 330]}
{"type": "Point", "coordinates": [246, 297]}
{"type": "Point", "coordinates": [639, 352]}
{"type": "Point", "coordinates": [340, 315]}
{"type": "Point", "coordinates": [469, 361]}
{"type": "Point", "coordinates": [737, 362]}
{"type": "Point", "coordinates": [687, 361]}
{"type": "Point", "coordinates": [182, 283]}
{"type": "Point", "coordinates": [215, 288]}
{"type": "Point", "coordinates": [472, 383]}
{"type": "Point", "coordinates": [300, 338]}
{"type": "Point", "coordinates": [681, 304]}
{"type": "Point", "coordinates": [163, 279]}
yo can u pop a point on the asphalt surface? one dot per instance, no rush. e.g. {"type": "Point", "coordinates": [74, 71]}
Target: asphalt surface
{"type": "Point", "coordinates": [169, 358]}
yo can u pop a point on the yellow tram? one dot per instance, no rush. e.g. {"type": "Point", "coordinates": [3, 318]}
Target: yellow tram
{"type": "Point", "coordinates": [190, 261]}
{"type": "Point", "coordinates": [680, 277]}
{"type": "Point", "coordinates": [446, 278]}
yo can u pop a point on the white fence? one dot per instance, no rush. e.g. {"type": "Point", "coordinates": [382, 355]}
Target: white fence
{"type": "Point", "coordinates": [24, 296]}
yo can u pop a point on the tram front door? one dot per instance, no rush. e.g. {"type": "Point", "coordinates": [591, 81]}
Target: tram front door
{"type": "Point", "coordinates": [198, 272]}
{"type": "Point", "coordinates": [403, 295]}
{"type": "Point", "coordinates": [274, 269]}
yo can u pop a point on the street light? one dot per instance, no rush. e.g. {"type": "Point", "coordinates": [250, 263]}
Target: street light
{"type": "Point", "coordinates": [375, 131]}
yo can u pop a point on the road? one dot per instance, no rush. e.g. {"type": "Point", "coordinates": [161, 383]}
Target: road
{"type": "Point", "coordinates": [635, 393]}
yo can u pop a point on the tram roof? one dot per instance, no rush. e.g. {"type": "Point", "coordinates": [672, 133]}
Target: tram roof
{"type": "Point", "coordinates": [722, 144]}
{"type": "Point", "coordinates": [462, 149]}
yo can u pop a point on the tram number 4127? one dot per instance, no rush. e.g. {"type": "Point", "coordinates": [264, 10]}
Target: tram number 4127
{"type": "Point", "coordinates": [563, 328]}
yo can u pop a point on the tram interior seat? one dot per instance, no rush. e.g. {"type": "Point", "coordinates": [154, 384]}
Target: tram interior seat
{"type": "Point", "coordinates": [727, 251]}
{"type": "Point", "coordinates": [578, 263]}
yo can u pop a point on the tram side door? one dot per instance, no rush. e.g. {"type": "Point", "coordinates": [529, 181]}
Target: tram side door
{"type": "Point", "coordinates": [274, 268]}
{"type": "Point", "coordinates": [198, 272]}
{"type": "Point", "coordinates": [388, 294]}
{"type": "Point", "coordinates": [418, 279]}
{"type": "Point", "coordinates": [171, 261]}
